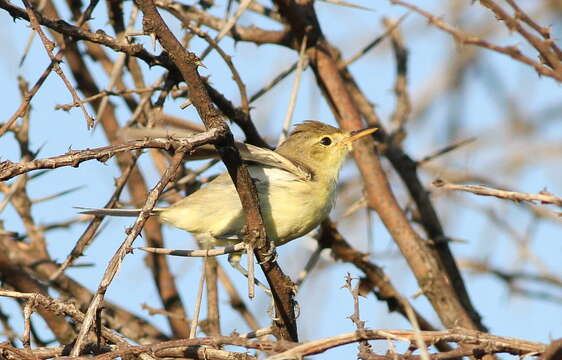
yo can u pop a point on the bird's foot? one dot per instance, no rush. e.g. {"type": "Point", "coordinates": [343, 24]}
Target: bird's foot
{"type": "Point", "coordinates": [271, 254]}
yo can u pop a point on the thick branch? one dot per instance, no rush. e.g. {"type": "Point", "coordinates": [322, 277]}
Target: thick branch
{"type": "Point", "coordinates": [187, 64]}
{"type": "Point", "coordinates": [427, 267]}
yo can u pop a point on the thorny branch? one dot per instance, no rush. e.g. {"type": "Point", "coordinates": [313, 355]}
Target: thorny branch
{"type": "Point", "coordinates": [411, 211]}
{"type": "Point", "coordinates": [255, 232]}
{"type": "Point", "coordinates": [547, 48]}
{"type": "Point", "coordinates": [74, 158]}
{"type": "Point", "coordinates": [543, 197]}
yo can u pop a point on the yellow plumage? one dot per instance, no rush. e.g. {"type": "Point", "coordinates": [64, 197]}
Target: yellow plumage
{"type": "Point", "coordinates": [296, 187]}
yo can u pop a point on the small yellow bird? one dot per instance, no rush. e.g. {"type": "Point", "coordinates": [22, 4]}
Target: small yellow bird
{"type": "Point", "coordinates": [296, 185]}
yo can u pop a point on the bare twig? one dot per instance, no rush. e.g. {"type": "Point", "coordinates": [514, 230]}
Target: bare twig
{"type": "Point", "coordinates": [419, 337]}
{"type": "Point", "coordinates": [105, 93]}
{"type": "Point", "coordinates": [60, 307]}
{"type": "Point", "coordinates": [447, 149]}
{"type": "Point", "coordinates": [73, 158]}
{"type": "Point", "coordinates": [375, 42]}
{"type": "Point", "coordinates": [348, 4]}
{"type": "Point", "coordinates": [464, 38]}
{"type": "Point", "coordinates": [550, 54]}
{"type": "Point", "coordinates": [117, 66]}
{"type": "Point", "coordinates": [117, 259]}
{"type": "Point", "coordinates": [199, 300]}
{"type": "Point", "coordinates": [403, 106]}
{"type": "Point", "coordinates": [310, 264]}
{"type": "Point", "coordinates": [196, 253]}
{"type": "Point", "coordinates": [90, 231]}
{"type": "Point", "coordinates": [49, 46]}
{"type": "Point", "coordinates": [491, 343]}
{"type": "Point", "coordinates": [225, 29]}
{"type": "Point", "coordinates": [228, 60]}
{"type": "Point", "coordinates": [375, 280]}
{"type": "Point", "coordinates": [274, 82]}
{"type": "Point", "coordinates": [543, 197]}
{"type": "Point", "coordinates": [364, 346]}
{"type": "Point", "coordinates": [294, 92]}
{"type": "Point", "coordinates": [236, 302]}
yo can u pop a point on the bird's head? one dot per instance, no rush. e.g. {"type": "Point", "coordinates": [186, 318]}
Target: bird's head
{"type": "Point", "coordinates": [320, 147]}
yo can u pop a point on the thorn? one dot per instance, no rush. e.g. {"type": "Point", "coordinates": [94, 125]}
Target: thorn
{"type": "Point", "coordinates": [153, 37]}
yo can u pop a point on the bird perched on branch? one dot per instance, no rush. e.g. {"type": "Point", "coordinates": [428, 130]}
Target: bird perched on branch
{"type": "Point", "coordinates": [296, 186]}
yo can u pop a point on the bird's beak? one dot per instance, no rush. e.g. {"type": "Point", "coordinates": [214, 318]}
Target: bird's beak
{"type": "Point", "coordinates": [358, 134]}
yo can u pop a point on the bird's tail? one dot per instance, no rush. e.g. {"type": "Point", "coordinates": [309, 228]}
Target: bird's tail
{"type": "Point", "coordinates": [115, 212]}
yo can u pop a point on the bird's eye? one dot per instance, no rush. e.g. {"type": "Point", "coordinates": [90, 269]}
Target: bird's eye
{"type": "Point", "coordinates": [326, 141]}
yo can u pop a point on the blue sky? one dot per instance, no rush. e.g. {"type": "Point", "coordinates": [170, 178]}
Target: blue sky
{"type": "Point", "coordinates": [492, 88]}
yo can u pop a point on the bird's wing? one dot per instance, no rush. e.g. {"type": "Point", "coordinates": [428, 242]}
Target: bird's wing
{"type": "Point", "coordinates": [270, 158]}
{"type": "Point", "coordinates": [248, 152]}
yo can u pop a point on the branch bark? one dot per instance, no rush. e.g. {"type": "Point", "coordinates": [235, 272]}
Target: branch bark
{"type": "Point", "coordinates": [187, 64]}
{"type": "Point", "coordinates": [429, 270]}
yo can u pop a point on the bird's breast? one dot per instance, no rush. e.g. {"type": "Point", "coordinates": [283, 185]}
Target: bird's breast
{"type": "Point", "coordinates": [290, 206]}
{"type": "Point", "coordinates": [291, 209]}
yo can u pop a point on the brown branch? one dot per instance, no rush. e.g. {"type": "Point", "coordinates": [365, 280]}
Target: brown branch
{"type": "Point", "coordinates": [59, 309]}
{"type": "Point", "coordinates": [453, 354]}
{"type": "Point", "coordinates": [54, 62]}
{"type": "Point", "coordinates": [458, 335]}
{"type": "Point", "coordinates": [12, 275]}
{"type": "Point", "coordinates": [49, 46]}
{"type": "Point", "coordinates": [194, 352]}
{"type": "Point", "coordinates": [118, 257]}
{"type": "Point", "coordinates": [137, 186]}
{"type": "Point", "coordinates": [24, 105]}
{"type": "Point", "coordinates": [94, 225]}
{"type": "Point", "coordinates": [212, 118]}
{"type": "Point", "coordinates": [40, 267]}
{"type": "Point", "coordinates": [407, 170]}
{"type": "Point", "coordinates": [99, 37]}
{"type": "Point", "coordinates": [74, 158]}
{"type": "Point", "coordinates": [239, 117]}
{"type": "Point", "coordinates": [543, 197]}
{"type": "Point", "coordinates": [543, 31]}
{"type": "Point", "coordinates": [553, 351]}
{"type": "Point", "coordinates": [213, 318]}
{"type": "Point", "coordinates": [464, 38]}
{"type": "Point", "coordinates": [228, 61]}
{"type": "Point", "coordinates": [375, 280]}
{"type": "Point", "coordinates": [105, 93]}
{"type": "Point", "coordinates": [463, 177]}
{"type": "Point", "coordinates": [187, 14]}
{"type": "Point", "coordinates": [265, 11]}
{"type": "Point", "coordinates": [435, 271]}
{"type": "Point", "coordinates": [403, 106]}
{"type": "Point", "coordinates": [545, 47]}
{"type": "Point", "coordinates": [483, 344]}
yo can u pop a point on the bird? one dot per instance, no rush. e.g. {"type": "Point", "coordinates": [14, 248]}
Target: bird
{"type": "Point", "coordinates": [296, 187]}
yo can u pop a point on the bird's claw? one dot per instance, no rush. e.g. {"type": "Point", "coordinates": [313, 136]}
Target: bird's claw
{"type": "Point", "coordinates": [271, 254]}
